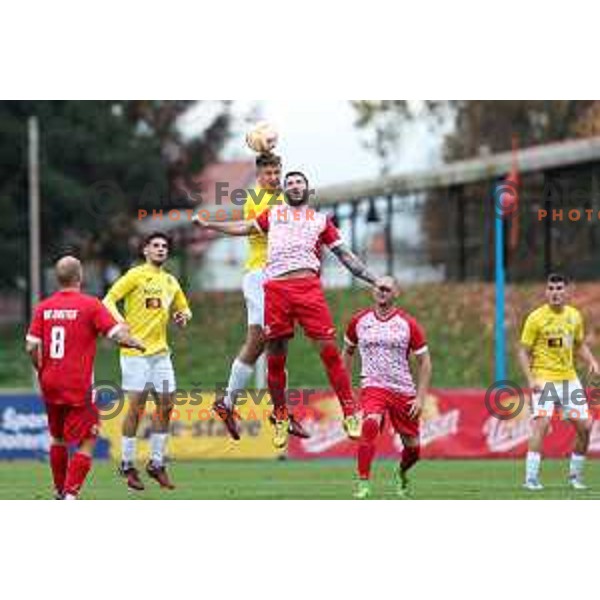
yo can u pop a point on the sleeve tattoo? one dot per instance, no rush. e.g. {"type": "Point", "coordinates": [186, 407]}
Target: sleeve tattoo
{"type": "Point", "coordinates": [354, 264]}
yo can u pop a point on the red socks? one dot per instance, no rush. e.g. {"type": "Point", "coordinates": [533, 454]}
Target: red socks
{"type": "Point", "coordinates": [59, 459]}
{"type": "Point", "coordinates": [277, 382]}
{"type": "Point", "coordinates": [79, 467]}
{"type": "Point", "coordinates": [338, 378]}
{"type": "Point", "coordinates": [336, 373]}
{"type": "Point", "coordinates": [410, 456]}
{"type": "Point", "coordinates": [68, 475]}
{"type": "Point", "coordinates": [366, 448]}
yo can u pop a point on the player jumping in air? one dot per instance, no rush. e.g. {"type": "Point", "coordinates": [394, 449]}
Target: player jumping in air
{"type": "Point", "coordinates": [385, 337]}
{"type": "Point", "coordinates": [62, 344]}
{"type": "Point", "coordinates": [296, 234]}
{"type": "Point", "coordinates": [151, 296]}
{"type": "Point", "coordinates": [550, 336]}
{"type": "Point", "coordinates": [265, 195]}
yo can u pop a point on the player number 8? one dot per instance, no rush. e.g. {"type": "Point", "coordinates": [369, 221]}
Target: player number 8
{"type": "Point", "coordinates": [57, 342]}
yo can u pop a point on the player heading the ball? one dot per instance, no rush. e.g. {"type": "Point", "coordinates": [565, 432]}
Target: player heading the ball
{"type": "Point", "coordinates": [296, 234]}
{"type": "Point", "coordinates": [267, 194]}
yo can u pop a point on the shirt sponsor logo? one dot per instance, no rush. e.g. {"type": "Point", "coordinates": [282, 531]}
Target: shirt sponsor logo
{"type": "Point", "coordinates": [555, 342]}
{"type": "Point", "coordinates": [150, 290]}
{"type": "Point", "coordinates": [153, 303]}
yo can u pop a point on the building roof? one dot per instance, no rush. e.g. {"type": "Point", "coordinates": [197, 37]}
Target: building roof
{"type": "Point", "coordinates": [529, 160]}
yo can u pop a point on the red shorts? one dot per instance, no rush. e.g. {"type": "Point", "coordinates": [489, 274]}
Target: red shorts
{"type": "Point", "coordinates": [291, 301]}
{"type": "Point", "coordinates": [379, 401]}
{"type": "Point", "coordinates": [73, 424]}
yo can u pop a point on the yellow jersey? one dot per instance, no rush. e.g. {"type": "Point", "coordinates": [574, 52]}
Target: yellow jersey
{"type": "Point", "coordinates": [149, 295]}
{"type": "Point", "coordinates": [257, 201]}
{"type": "Point", "coordinates": [551, 337]}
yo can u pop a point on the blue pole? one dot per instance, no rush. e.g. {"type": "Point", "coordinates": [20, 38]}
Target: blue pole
{"type": "Point", "coordinates": [500, 333]}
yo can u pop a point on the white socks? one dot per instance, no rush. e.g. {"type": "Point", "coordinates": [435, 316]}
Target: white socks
{"type": "Point", "coordinates": [158, 443]}
{"type": "Point", "coordinates": [238, 378]}
{"type": "Point", "coordinates": [128, 450]}
{"type": "Point", "coordinates": [576, 466]}
{"type": "Point", "coordinates": [532, 466]}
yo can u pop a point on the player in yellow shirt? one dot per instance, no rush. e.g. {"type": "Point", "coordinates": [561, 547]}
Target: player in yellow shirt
{"type": "Point", "coordinates": [150, 296]}
{"type": "Point", "coordinates": [266, 194]}
{"type": "Point", "coordinates": [552, 335]}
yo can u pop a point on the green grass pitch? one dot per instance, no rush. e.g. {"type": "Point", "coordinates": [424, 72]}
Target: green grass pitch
{"type": "Point", "coordinates": [322, 480]}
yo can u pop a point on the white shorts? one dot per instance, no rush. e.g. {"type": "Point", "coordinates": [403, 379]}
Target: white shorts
{"type": "Point", "coordinates": [148, 372]}
{"type": "Point", "coordinates": [566, 396]}
{"type": "Point", "coordinates": [254, 295]}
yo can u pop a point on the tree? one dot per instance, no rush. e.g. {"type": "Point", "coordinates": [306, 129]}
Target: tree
{"type": "Point", "coordinates": [478, 125]}
{"type": "Point", "coordinates": [100, 162]}
{"type": "Point", "coordinates": [477, 128]}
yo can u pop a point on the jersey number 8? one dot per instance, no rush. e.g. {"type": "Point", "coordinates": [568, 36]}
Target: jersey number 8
{"type": "Point", "coordinates": [57, 342]}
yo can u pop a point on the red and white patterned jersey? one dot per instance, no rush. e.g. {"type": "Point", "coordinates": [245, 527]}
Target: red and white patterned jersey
{"type": "Point", "coordinates": [384, 346]}
{"type": "Point", "coordinates": [295, 238]}
{"type": "Point", "coordinates": [66, 325]}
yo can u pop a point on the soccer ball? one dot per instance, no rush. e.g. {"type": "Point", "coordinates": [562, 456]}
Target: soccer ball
{"type": "Point", "coordinates": [262, 138]}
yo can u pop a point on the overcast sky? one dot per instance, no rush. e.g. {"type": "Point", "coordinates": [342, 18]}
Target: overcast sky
{"type": "Point", "coordinates": [319, 137]}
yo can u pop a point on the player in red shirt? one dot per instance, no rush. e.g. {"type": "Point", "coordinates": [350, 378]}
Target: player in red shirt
{"type": "Point", "coordinates": [385, 337]}
{"type": "Point", "coordinates": [293, 294]}
{"type": "Point", "coordinates": [62, 344]}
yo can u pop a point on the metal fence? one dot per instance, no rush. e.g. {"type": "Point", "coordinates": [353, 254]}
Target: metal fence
{"type": "Point", "coordinates": [439, 225]}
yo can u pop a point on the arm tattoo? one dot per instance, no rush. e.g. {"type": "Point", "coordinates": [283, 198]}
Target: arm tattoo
{"type": "Point", "coordinates": [353, 264]}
